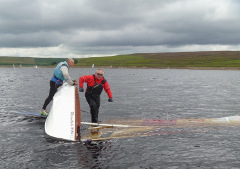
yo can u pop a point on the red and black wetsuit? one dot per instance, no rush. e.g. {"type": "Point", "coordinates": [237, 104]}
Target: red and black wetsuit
{"type": "Point", "coordinates": [93, 92]}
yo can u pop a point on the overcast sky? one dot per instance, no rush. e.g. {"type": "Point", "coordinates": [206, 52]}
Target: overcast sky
{"type": "Point", "coordinates": [87, 28]}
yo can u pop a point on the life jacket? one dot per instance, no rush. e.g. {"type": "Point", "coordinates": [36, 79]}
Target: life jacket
{"type": "Point", "coordinates": [97, 88]}
{"type": "Point", "coordinates": [58, 75]}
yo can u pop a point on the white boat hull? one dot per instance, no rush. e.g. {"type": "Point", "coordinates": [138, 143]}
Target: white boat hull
{"type": "Point", "coordinates": [64, 119]}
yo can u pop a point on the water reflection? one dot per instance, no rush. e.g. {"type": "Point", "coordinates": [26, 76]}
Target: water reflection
{"type": "Point", "coordinates": [94, 154]}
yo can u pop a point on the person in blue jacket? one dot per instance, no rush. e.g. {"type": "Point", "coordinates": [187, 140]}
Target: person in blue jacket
{"type": "Point", "coordinates": [60, 74]}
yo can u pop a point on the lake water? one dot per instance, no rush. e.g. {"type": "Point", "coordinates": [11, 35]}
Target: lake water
{"type": "Point", "coordinates": [137, 94]}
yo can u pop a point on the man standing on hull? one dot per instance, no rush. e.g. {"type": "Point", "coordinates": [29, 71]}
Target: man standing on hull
{"type": "Point", "coordinates": [60, 74]}
{"type": "Point", "coordinates": [95, 84]}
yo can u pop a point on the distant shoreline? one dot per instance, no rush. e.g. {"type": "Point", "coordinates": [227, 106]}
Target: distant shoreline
{"type": "Point", "coordinates": [133, 67]}
{"type": "Point", "coordinates": [191, 68]}
{"type": "Point", "coordinates": [208, 60]}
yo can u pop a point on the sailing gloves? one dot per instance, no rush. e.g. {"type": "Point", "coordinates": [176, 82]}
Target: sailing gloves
{"type": "Point", "coordinates": [110, 100]}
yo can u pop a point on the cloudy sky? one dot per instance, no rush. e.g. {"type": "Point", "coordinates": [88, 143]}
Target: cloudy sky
{"type": "Point", "coordinates": [87, 28]}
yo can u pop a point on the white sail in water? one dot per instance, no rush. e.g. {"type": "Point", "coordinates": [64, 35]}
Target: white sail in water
{"type": "Point", "coordinates": [36, 66]}
{"type": "Point", "coordinates": [92, 66]}
{"type": "Point", "coordinates": [64, 119]}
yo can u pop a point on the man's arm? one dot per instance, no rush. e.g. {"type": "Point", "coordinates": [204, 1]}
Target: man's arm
{"type": "Point", "coordinates": [66, 75]}
{"type": "Point", "coordinates": [81, 81]}
{"type": "Point", "coordinates": [87, 79]}
{"type": "Point", "coordinates": [107, 89]}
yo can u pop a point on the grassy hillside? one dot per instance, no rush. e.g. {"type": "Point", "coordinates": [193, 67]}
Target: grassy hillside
{"type": "Point", "coordinates": [28, 61]}
{"type": "Point", "coordinates": [158, 60]}
{"type": "Point", "coordinates": [226, 59]}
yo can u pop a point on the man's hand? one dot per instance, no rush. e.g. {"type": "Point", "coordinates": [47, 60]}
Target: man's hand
{"type": "Point", "coordinates": [110, 100]}
{"type": "Point", "coordinates": [81, 90]}
{"type": "Point", "coordinates": [75, 82]}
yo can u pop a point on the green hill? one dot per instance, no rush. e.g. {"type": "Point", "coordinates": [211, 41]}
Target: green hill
{"type": "Point", "coordinates": [216, 59]}
{"type": "Point", "coordinates": [162, 60]}
{"type": "Point", "coordinates": [28, 61]}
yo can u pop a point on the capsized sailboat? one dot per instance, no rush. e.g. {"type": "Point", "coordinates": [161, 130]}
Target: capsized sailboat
{"type": "Point", "coordinates": [64, 122]}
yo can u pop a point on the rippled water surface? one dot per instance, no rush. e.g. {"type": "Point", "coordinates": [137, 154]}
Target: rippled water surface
{"type": "Point", "coordinates": [138, 94]}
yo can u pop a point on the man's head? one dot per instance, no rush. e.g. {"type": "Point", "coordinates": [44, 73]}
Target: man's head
{"type": "Point", "coordinates": [70, 62]}
{"type": "Point", "coordinates": [99, 74]}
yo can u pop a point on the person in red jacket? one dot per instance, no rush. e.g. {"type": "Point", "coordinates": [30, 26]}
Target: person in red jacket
{"type": "Point", "coordinates": [95, 84]}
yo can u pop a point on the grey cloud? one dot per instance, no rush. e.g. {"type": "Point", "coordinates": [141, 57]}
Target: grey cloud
{"type": "Point", "coordinates": [119, 24]}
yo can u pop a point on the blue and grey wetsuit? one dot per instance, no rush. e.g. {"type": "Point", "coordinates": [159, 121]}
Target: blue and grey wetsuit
{"type": "Point", "coordinates": [61, 73]}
